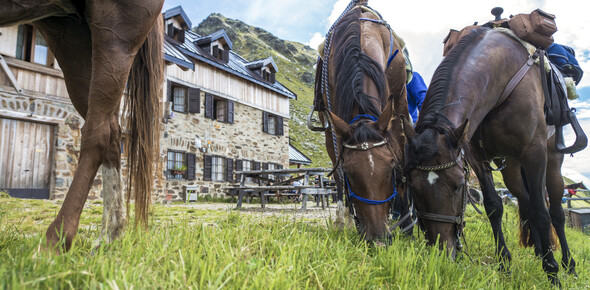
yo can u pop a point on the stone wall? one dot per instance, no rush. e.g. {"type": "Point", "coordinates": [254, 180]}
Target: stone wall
{"type": "Point", "coordinates": [34, 107]}
{"type": "Point", "coordinates": [244, 139]}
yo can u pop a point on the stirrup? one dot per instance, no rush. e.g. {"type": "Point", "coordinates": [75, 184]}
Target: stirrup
{"type": "Point", "coordinates": [311, 120]}
{"type": "Point", "coordinates": [581, 139]}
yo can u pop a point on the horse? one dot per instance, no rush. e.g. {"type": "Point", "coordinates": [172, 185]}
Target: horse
{"type": "Point", "coordinates": [101, 46]}
{"type": "Point", "coordinates": [468, 117]}
{"type": "Point", "coordinates": [361, 78]}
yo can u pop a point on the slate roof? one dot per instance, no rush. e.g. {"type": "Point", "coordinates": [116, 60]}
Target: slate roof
{"type": "Point", "coordinates": [187, 54]}
{"type": "Point", "coordinates": [296, 157]}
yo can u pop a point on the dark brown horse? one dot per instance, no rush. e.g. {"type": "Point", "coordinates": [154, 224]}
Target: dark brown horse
{"type": "Point", "coordinates": [101, 46]}
{"type": "Point", "coordinates": [362, 82]}
{"type": "Point", "coordinates": [465, 102]}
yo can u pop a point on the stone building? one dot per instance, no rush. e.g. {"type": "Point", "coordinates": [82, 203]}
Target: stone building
{"type": "Point", "coordinates": [221, 113]}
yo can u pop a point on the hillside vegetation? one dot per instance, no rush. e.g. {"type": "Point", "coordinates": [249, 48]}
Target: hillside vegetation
{"type": "Point", "coordinates": [295, 62]}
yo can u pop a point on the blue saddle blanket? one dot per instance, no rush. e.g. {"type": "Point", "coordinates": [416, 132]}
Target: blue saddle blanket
{"type": "Point", "coordinates": [564, 57]}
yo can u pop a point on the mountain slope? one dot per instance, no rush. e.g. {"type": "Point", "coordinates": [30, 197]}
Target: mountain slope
{"type": "Point", "coordinates": [295, 62]}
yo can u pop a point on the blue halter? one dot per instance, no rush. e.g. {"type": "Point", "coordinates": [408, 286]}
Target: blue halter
{"type": "Point", "coordinates": [351, 194]}
{"type": "Point", "coordinates": [372, 118]}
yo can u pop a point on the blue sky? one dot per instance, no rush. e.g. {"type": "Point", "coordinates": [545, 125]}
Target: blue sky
{"type": "Point", "coordinates": [423, 25]}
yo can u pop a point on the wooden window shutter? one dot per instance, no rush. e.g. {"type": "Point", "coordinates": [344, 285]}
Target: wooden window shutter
{"type": "Point", "coordinates": [216, 51]}
{"type": "Point", "coordinates": [272, 78]}
{"type": "Point", "coordinates": [239, 167]}
{"type": "Point", "coordinates": [226, 56]}
{"type": "Point", "coordinates": [180, 35]}
{"type": "Point", "coordinates": [230, 169]}
{"type": "Point", "coordinates": [265, 122]}
{"type": "Point", "coordinates": [191, 163]}
{"type": "Point", "coordinates": [207, 168]}
{"type": "Point", "coordinates": [169, 91]}
{"type": "Point", "coordinates": [230, 112]}
{"type": "Point", "coordinates": [194, 100]}
{"type": "Point", "coordinates": [170, 30]}
{"type": "Point", "coordinates": [209, 106]}
{"type": "Point", "coordinates": [265, 167]}
{"type": "Point", "coordinates": [256, 165]}
{"type": "Point", "coordinates": [279, 126]}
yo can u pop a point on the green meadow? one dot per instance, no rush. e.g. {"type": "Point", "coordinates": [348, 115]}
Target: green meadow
{"type": "Point", "coordinates": [204, 248]}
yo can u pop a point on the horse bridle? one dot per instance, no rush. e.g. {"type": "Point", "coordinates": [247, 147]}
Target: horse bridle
{"type": "Point", "coordinates": [365, 146]}
{"type": "Point", "coordinates": [458, 221]}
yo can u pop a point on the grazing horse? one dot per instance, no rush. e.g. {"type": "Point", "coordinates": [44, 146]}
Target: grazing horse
{"type": "Point", "coordinates": [361, 79]}
{"type": "Point", "coordinates": [101, 46]}
{"type": "Point", "coordinates": [468, 100]}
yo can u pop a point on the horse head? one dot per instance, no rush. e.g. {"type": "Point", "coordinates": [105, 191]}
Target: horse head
{"type": "Point", "coordinates": [369, 159]}
{"type": "Point", "coordinates": [437, 171]}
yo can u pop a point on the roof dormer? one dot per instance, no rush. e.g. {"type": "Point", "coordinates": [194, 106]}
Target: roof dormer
{"type": "Point", "coordinates": [265, 68]}
{"type": "Point", "coordinates": [216, 44]}
{"type": "Point", "coordinates": [176, 23]}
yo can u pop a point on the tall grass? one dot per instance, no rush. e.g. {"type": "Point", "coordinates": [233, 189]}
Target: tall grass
{"type": "Point", "coordinates": [192, 248]}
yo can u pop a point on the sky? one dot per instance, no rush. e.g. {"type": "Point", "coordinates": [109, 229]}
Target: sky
{"type": "Point", "coordinates": [423, 25]}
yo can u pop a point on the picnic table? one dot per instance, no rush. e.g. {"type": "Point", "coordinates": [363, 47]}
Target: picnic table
{"type": "Point", "coordinates": [282, 185]}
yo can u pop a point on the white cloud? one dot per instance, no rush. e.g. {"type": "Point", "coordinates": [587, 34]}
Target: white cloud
{"type": "Point", "coordinates": [315, 40]}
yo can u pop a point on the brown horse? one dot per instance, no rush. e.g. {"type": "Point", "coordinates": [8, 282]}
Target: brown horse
{"type": "Point", "coordinates": [362, 79]}
{"type": "Point", "coordinates": [101, 46]}
{"type": "Point", "coordinates": [465, 102]}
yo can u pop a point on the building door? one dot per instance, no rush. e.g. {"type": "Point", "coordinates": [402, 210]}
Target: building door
{"type": "Point", "coordinates": [26, 157]}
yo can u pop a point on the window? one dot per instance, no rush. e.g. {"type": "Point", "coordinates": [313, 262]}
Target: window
{"type": "Point", "coordinates": [247, 165]}
{"type": "Point", "coordinates": [184, 99]}
{"type": "Point", "coordinates": [176, 165]}
{"type": "Point", "coordinates": [179, 102]}
{"type": "Point", "coordinates": [32, 47]}
{"type": "Point", "coordinates": [272, 124]}
{"type": "Point", "coordinates": [220, 53]}
{"type": "Point", "coordinates": [180, 165]}
{"type": "Point", "coordinates": [218, 168]}
{"type": "Point", "coordinates": [219, 109]}
{"type": "Point", "coordinates": [271, 166]}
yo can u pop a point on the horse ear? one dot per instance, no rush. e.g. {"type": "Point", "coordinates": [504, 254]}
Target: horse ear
{"type": "Point", "coordinates": [460, 134]}
{"type": "Point", "coordinates": [341, 128]}
{"type": "Point", "coordinates": [384, 122]}
{"type": "Point", "coordinates": [408, 128]}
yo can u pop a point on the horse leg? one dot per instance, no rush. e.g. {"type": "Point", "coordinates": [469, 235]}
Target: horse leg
{"type": "Point", "coordinates": [71, 44]}
{"type": "Point", "coordinates": [516, 185]}
{"type": "Point", "coordinates": [111, 61]}
{"type": "Point", "coordinates": [534, 168]}
{"type": "Point", "coordinates": [555, 190]}
{"type": "Point", "coordinates": [494, 210]}
{"type": "Point", "coordinates": [114, 217]}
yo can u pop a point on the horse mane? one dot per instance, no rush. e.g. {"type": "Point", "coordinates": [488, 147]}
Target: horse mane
{"type": "Point", "coordinates": [436, 96]}
{"type": "Point", "coordinates": [351, 66]}
{"type": "Point", "coordinates": [431, 121]}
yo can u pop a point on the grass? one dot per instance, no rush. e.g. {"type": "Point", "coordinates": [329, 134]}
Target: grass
{"type": "Point", "coordinates": [187, 247]}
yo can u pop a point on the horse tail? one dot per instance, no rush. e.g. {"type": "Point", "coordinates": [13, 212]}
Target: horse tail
{"type": "Point", "coordinates": [142, 111]}
{"type": "Point", "coordinates": [526, 239]}
{"type": "Point", "coordinates": [524, 230]}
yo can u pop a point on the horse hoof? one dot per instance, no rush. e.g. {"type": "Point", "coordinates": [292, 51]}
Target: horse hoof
{"type": "Point", "coordinates": [554, 280]}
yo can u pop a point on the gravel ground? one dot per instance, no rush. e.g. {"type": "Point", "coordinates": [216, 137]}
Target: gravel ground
{"type": "Point", "coordinates": [272, 209]}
